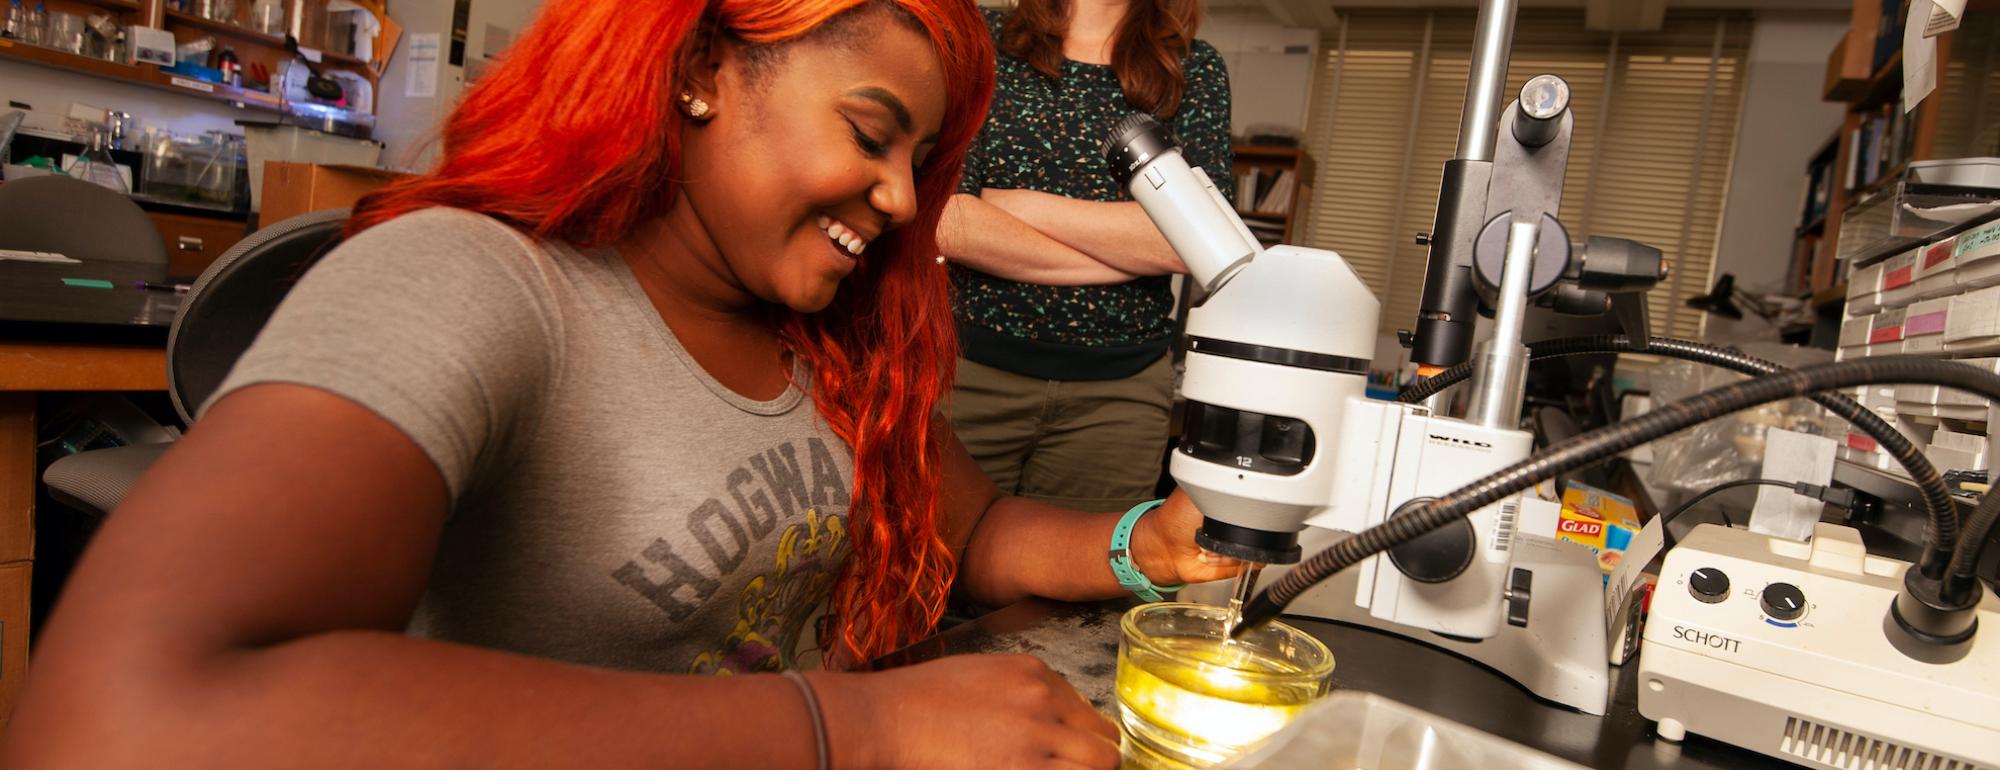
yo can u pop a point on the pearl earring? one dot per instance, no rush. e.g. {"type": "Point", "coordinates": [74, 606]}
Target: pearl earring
{"type": "Point", "coordinates": [693, 105]}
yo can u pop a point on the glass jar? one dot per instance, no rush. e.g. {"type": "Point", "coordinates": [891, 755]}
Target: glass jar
{"type": "Point", "coordinates": [1190, 697]}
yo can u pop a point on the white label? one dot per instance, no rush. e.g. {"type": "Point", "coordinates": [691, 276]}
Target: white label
{"type": "Point", "coordinates": [196, 85]}
{"type": "Point", "coordinates": [1503, 531]}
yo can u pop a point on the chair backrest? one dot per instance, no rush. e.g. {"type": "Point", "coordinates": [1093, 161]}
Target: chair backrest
{"type": "Point", "coordinates": [78, 219]}
{"type": "Point", "coordinates": [234, 298]}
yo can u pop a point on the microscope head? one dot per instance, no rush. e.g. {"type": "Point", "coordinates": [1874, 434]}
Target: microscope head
{"type": "Point", "coordinates": [1196, 220]}
{"type": "Point", "coordinates": [1274, 353]}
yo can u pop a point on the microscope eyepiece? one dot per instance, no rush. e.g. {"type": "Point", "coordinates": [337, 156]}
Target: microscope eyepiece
{"type": "Point", "coordinates": [1134, 141]}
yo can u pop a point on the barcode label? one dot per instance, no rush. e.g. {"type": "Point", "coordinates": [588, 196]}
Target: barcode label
{"type": "Point", "coordinates": [193, 84]}
{"type": "Point", "coordinates": [1503, 530]}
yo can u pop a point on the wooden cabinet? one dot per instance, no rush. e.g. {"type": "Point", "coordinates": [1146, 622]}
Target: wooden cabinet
{"type": "Point", "coordinates": [194, 242]}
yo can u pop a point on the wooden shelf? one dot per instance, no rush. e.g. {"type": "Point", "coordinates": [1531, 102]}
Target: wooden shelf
{"type": "Point", "coordinates": [110, 5]}
{"type": "Point", "coordinates": [1830, 295]}
{"type": "Point", "coordinates": [1893, 175]}
{"type": "Point", "coordinates": [1885, 84]}
{"type": "Point", "coordinates": [1260, 152]}
{"type": "Point", "coordinates": [1817, 224]}
{"type": "Point", "coordinates": [240, 32]}
{"type": "Point", "coordinates": [143, 74]}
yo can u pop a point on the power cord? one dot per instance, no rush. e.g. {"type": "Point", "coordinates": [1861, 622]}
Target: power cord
{"type": "Point", "coordinates": [1941, 595]}
{"type": "Point", "coordinates": [1842, 498]}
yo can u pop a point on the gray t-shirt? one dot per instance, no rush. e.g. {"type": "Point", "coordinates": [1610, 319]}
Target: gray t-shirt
{"type": "Point", "coordinates": [611, 503]}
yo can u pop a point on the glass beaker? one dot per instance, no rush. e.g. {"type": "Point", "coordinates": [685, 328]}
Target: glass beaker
{"type": "Point", "coordinates": [96, 166]}
{"type": "Point", "coordinates": [268, 17]}
{"type": "Point", "coordinates": [1189, 697]}
{"type": "Point", "coordinates": [65, 32]}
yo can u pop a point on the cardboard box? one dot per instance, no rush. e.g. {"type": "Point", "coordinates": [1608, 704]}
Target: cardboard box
{"type": "Point", "coordinates": [1978, 255]}
{"type": "Point", "coordinates": [13, 634]}
{"type": "Point", "coordinates": [1899, 279]}
{"type": "Point", "coordinates": [1864, 290]}
{"type": "Point", "coordinates": [1936, 269]}
{"type": "Point", "coordinates": [1598, 520]}
{"type": "Point", "coordinates": [291, 189]}
{"type": "Point", "coordinates": [1924, 325]}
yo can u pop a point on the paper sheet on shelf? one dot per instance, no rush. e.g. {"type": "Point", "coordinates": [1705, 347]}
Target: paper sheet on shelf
{"type": "Point", "coordinates": [1919, 54]}
{"type": "Point", "coordinates": [1945, 17]}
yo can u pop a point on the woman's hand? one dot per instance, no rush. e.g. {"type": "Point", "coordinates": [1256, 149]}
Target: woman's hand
{"type": "Point", "coordinates": [1163, 546]}
{"type": "Point", "coordinates": [968, 711]}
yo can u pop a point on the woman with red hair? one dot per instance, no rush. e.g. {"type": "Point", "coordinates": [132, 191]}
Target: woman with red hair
{"type": "Point", "coordinates": [641, 381]}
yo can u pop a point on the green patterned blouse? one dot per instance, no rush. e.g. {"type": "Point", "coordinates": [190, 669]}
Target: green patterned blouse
{"type": "Point", "coordinates": [1046, 135]}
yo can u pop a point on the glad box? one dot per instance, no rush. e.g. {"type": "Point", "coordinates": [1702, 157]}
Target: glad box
{"type": "Point", "coordinates": [1598, 520]}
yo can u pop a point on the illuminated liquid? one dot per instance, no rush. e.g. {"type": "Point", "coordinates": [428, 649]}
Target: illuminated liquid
{"type": "Point", "coordinates": [1206, 702]}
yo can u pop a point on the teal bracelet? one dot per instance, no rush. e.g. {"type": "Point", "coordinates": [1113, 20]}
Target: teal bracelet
{"type": "Point", "coordinates": [1121, 556]}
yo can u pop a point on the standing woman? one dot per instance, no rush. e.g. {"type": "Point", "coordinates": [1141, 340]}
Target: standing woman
{"type": "Point", "coordinates": [1063, 285]}
{"type": "Point", "coordinates": [640, 383]}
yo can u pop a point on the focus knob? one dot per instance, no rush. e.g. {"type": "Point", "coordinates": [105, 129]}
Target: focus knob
{"type": "Point", "coordinates": [1783, 601]}
{"type": "Point", "coordinates": [1708, 585]}
{"type": "Point", "coordinates": [1438, 555]}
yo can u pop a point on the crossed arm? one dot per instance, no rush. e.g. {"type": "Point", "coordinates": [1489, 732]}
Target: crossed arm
{"type": "Point", "coordinates": [1041, 238]}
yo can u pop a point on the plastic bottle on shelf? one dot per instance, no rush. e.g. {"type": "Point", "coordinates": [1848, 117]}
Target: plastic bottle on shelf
{"type": "Point", "coordinates": [268, 17]}
{"type": "Point", "coordinates": [17, 22]}
{"type": "Point", "coordinates": [232, 70]}
{"type": "Point", "coordinates": [38, 24]}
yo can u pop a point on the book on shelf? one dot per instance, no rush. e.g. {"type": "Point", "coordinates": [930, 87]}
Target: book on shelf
{"type": "Point", "coordinates": [1264, 191]}
{"type": "Point", "coordinates": [1277, 200]}
{"type": "Point", "coordinates": [1268, 233]}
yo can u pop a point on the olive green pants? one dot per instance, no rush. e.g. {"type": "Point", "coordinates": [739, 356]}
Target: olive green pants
{"type": "Point", "coordinates": [1090, 445]}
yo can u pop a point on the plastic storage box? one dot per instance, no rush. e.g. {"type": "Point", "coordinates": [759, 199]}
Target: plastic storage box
{"type": "Point", "coordinates": [1904, 214]}
{"type": "Point", "coordinates": [296, 144]}
{"type": "Point", "coordinates": [1364, 731]}
{"type": "Point", "coordinates": [192, 170]}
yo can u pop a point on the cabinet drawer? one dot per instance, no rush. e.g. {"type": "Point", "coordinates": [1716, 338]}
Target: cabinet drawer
{"type": "Point", "coordinates": [194, 242]}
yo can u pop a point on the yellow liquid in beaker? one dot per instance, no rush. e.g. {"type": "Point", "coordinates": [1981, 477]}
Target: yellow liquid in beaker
{"type": "Point", "coordinates": [1207, 702]}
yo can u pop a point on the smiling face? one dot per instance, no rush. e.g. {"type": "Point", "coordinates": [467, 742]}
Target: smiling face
{"type": "Point", "coordinates": [811, 154]}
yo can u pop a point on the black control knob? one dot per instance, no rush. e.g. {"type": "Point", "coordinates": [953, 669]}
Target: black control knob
{"type": "Point", "coordinates": [1783, 601]}
{"type": "Point", "coordinates": [1438, 555]}
{"type": "Point", "coordinates": [1708, 585]}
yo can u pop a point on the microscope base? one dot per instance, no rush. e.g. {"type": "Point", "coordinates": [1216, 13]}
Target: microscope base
{"type": "Point", "coordinates": [1559, 656]}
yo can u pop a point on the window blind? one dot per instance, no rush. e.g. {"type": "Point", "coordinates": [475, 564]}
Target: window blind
{"type": "Point", "coordinates": [1649, 156]}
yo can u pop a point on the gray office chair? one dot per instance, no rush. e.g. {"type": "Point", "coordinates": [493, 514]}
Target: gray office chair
{"type": "Point", "coordinates": [77, 219]}
{"type": "Point", "coordinates": [219, 318]}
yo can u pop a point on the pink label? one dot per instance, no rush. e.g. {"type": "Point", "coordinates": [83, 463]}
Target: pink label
{"type": "Point", "coordinates": [1861, 442]}
{"type": "Point", "coordinates": [1897, 278]}
{"type": "Point", "coordinates": [1928, 323]}
{"type": "Point", "coordinates": [1938, 252]}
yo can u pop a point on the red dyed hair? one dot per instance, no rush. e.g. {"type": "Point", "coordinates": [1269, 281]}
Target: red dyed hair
{"type": "Point", "coordinates": [1146, 50]}
{"type": "Point", "coordinates": [881, 355]}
